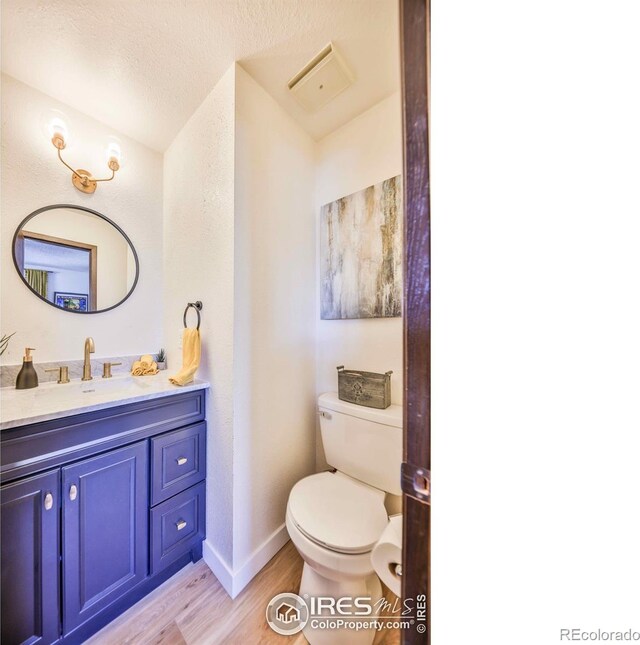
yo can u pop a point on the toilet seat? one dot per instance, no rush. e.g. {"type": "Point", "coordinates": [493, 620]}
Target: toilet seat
{"type": "Point", "coordinates": [337, 512]}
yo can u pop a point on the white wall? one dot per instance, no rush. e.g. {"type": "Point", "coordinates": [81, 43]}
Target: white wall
{"type": "Point", "coordinates": [239, 235]}
{"type": "Point", "coordinates": [199, 265]}
{"type": "Point", "coordinates": [274, 368]}
{"type": "Point", "coordinates": [363, 152]}
{"type": "Point", "coordinates": [32, 177]}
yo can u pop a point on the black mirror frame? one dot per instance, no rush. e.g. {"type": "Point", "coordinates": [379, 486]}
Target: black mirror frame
{"type": "Point", "coordinates": [87, 210]}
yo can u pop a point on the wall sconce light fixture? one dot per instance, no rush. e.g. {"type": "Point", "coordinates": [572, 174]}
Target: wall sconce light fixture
{"type": "Point", "coordinates": [82, 179]}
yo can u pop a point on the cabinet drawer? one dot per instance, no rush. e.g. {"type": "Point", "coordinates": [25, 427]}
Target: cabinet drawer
{"type": "Point", "coordinates": [178, 461]}
{"type": "Point", "coordinates": [177, 525]}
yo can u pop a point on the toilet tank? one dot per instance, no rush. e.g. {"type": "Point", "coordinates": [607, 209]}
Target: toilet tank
{"type": "Point", "coordinates": [361, 442]}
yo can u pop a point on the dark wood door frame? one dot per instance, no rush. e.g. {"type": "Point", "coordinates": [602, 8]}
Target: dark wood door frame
{"type": "Point", "coordinates": [416, 469]}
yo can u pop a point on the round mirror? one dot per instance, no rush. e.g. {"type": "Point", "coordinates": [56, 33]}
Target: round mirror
{"type": "Point", "coordinates": [75, 259]}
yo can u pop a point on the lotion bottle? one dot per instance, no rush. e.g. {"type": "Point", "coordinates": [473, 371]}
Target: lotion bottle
{"type": "Point", "coordinates": [27, 377]}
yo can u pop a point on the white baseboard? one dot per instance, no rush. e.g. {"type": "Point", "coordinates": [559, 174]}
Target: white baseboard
{"type": "Point", "coordinates": [254, 563]}
{"type": "Point", "coordinates": [218, 566]}
{"type": "Point", "coordinates": [235, 581]}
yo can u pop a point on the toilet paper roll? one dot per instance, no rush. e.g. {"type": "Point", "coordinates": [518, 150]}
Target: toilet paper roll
{"type": "Point", "coordinates": [386, 556]}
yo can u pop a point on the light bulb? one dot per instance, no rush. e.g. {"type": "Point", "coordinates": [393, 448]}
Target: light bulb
{"type": "Point", "coordinates": [58, 130]}
{"type": "Point", "coordinates": [58, 126]}
{"type": "Point", "coordinates": [114, 154]}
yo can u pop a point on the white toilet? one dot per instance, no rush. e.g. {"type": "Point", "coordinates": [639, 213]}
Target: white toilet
{"type": "Point", "coordinates": [335, 518]}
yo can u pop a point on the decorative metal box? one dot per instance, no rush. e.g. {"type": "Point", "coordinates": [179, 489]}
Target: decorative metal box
{"type": "Point", "coordinates": [364, 388]}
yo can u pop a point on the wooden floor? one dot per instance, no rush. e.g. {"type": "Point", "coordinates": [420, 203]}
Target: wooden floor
{"type": "Point", "coordinates": [192, 608]}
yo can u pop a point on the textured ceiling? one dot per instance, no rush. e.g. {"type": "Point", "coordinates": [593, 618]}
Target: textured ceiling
{"type": "Point", "coordinates": [144, 66]}
{"type": "Point", "coordinates": [53, 256]}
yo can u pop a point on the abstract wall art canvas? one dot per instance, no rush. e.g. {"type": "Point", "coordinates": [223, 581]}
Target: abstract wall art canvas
{"type": "Point", "coordinates": [361, 254]}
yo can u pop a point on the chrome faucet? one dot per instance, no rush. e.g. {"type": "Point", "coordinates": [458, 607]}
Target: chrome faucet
{"type": "Point", "coordinates": [89, 348]}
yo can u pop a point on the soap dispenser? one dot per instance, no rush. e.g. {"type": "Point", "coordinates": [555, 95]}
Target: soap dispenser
{"type": "Point", "coordinates": [27, 377]}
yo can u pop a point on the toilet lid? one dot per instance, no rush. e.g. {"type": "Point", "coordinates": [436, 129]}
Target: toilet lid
{"type": "Point", "coordinates": [338, 512]}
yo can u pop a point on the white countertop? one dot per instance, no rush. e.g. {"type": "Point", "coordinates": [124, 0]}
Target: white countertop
{"type": "Point", "coordinates": [53, 400]}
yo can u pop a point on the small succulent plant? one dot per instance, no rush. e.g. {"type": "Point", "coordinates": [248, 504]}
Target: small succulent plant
{"type": "Point", "coordinates": [161, 356]}
{"type": "Point", "coordinates": [4, 343]}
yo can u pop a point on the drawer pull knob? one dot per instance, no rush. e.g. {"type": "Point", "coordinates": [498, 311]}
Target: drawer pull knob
{"type": "Point", "coordinates": [48, 502]}
{"type": "Point", "coordinates": [73, 492]}
{"type": "Point", "coordinates": [181, 461]}
{"type": "Point", "coordinates": [180, 524]}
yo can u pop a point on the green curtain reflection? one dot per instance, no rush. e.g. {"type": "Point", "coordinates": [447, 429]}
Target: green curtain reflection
{"type": "Point", "coordinates": [37, 280]}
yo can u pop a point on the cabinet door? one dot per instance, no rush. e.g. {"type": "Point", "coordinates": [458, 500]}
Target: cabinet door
{"type": "Point", "coordinates": [105, 531]}
{"type": "Point", "coordinates": [30, 552]}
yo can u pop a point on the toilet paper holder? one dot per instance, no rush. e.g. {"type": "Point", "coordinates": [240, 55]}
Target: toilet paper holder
{"type": "Point", "coordinates": [386, 556]}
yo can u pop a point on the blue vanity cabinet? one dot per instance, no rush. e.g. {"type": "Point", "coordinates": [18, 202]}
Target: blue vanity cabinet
{"type": "Point", "coordinates": [98, 509]}
{"type": "Point", "coordinates": [105, 531]}
{"type": "Point", "coordinates": [30, 564]}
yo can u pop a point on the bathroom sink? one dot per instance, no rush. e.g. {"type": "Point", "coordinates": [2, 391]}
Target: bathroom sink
{"type": "Point", "coordinates": [117, 383]}
{"type": "Point", "coordinates": [52, 400]}
{"type": "Point", "coordinates": [124, 385]}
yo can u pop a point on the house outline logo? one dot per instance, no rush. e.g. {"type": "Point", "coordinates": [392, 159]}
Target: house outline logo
{"type": "Point", "coordinates": [287, 614]}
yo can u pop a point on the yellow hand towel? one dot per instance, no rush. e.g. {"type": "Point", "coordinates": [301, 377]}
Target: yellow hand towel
{"type": "Point", "coordinates": [150, 368]}
{"type": "Point", "coordinates": [149, 365]}
{"type": "Point", "coordinates": [146, 366]}
{"type": "Point", "coordinates": [190, 357]}
{"type": "Point", "coordinates": [137, 369]}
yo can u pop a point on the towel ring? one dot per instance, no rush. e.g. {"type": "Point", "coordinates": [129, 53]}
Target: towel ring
{"type": "Point", "coordinates": [197, 305]}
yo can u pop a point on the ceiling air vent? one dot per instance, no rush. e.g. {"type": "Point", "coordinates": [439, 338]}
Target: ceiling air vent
{"type": "Point", "coordinates": [321, 79]}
